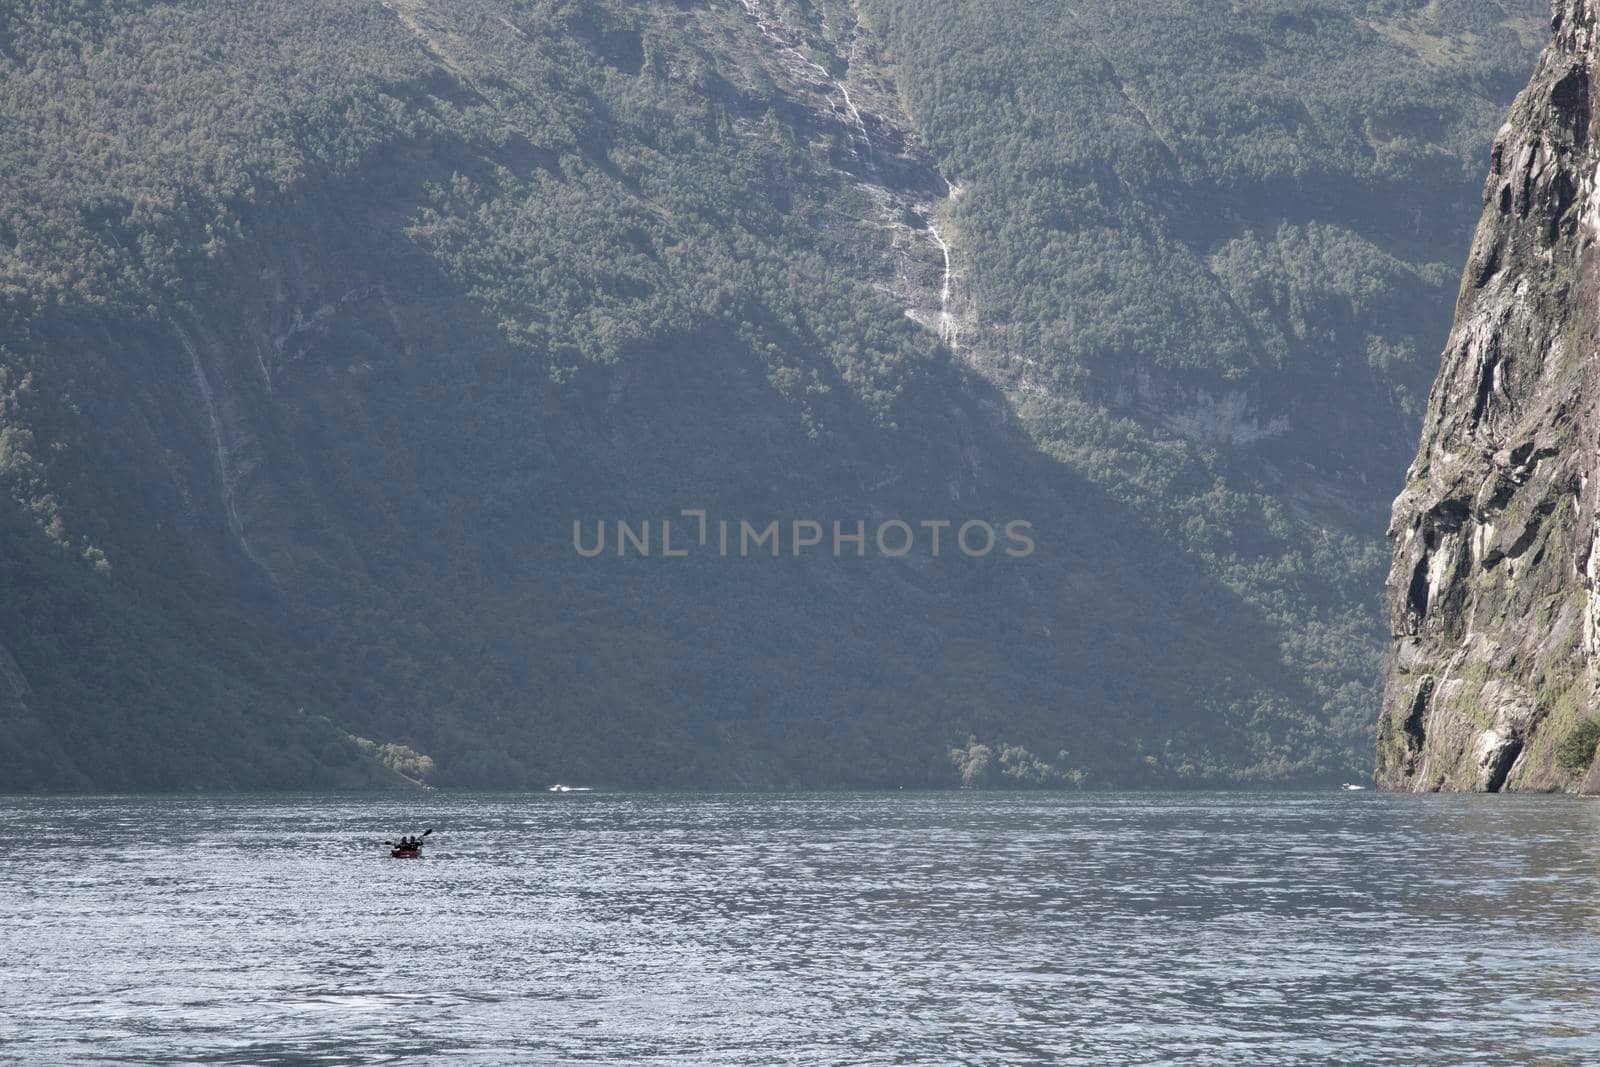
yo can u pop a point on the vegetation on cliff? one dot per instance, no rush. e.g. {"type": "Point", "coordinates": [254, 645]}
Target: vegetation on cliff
{"type": "Point", "coordinates": [1213, 259]}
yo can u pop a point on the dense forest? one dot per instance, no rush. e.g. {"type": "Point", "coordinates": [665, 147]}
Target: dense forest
{"type": "Point", "coordinates": [1213, 255]}
{"type": "Point", "coordinates": [321, 324]}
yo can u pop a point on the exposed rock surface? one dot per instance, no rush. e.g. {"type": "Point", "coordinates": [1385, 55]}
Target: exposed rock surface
{"type": "Point", "coordinates": [1492, 592]}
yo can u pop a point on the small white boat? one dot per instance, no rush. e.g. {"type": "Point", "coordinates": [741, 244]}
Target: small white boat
{"type": "Point", "coordinates": [1352, 787]}
{"type": "Point", "coordinates": [558, 788]}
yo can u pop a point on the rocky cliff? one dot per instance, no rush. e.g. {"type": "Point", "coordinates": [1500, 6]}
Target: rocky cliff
{"type": "Point", "coordinates": [1492, 592]}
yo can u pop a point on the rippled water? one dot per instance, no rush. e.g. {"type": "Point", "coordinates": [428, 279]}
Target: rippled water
{"type": "Point", "coordinates": [818, 929]}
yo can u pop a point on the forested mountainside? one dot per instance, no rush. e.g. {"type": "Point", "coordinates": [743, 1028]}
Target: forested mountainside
{"type": "Point", "coordinates": [1492, 593]}
{"type": "Point", "coordinates": [322, 323]}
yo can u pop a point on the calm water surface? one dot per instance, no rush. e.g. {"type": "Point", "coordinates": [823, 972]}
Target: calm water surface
{"type": "Point", "coordinates": [810, 929]}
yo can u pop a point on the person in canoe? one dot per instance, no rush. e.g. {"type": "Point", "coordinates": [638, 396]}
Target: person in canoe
{"type": "Point", "coordinates": [408, 844]}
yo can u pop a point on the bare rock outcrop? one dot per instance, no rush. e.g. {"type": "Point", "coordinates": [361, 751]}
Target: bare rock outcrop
{"type": "Point", "coordinates": [1492, 593]}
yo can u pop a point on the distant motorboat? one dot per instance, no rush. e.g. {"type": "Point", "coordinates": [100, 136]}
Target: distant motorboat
{"type": "Point", "coordinates": [558, 788]}
{"type": "Point", "coordinates": [1353, 787]}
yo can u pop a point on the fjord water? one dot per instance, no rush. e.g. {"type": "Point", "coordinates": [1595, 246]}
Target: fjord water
{"type": "Point", "coordinates": [803, 928]}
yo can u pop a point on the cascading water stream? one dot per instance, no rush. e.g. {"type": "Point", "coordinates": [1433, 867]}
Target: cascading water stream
{"type": "Point", "coordinates": [781, 38]}
{"type": "Point", "coordinates": [220, 450]}
{"type": "Point", "coordinates": [773, 31]}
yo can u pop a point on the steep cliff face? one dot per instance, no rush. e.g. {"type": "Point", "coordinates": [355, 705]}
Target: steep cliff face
{"type": "Point", "coordinates": [1492, 592]}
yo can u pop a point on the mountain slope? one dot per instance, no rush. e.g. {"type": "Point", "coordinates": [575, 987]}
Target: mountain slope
{"type": "Point", "coordinates": [325, 323]}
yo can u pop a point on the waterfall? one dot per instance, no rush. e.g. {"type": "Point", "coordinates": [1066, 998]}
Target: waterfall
{"type": "Point", "coordinates": [220, 451]}
{"type": "Point", "coordinates": [947, 323]}
{"type": "Point", "coordinates": [771, 27]}
{"type": "Point", "coordinates": [774, 31]}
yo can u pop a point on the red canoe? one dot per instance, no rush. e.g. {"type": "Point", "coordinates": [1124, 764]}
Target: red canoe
{"type": "Point", "coordinates": [405, 853]}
